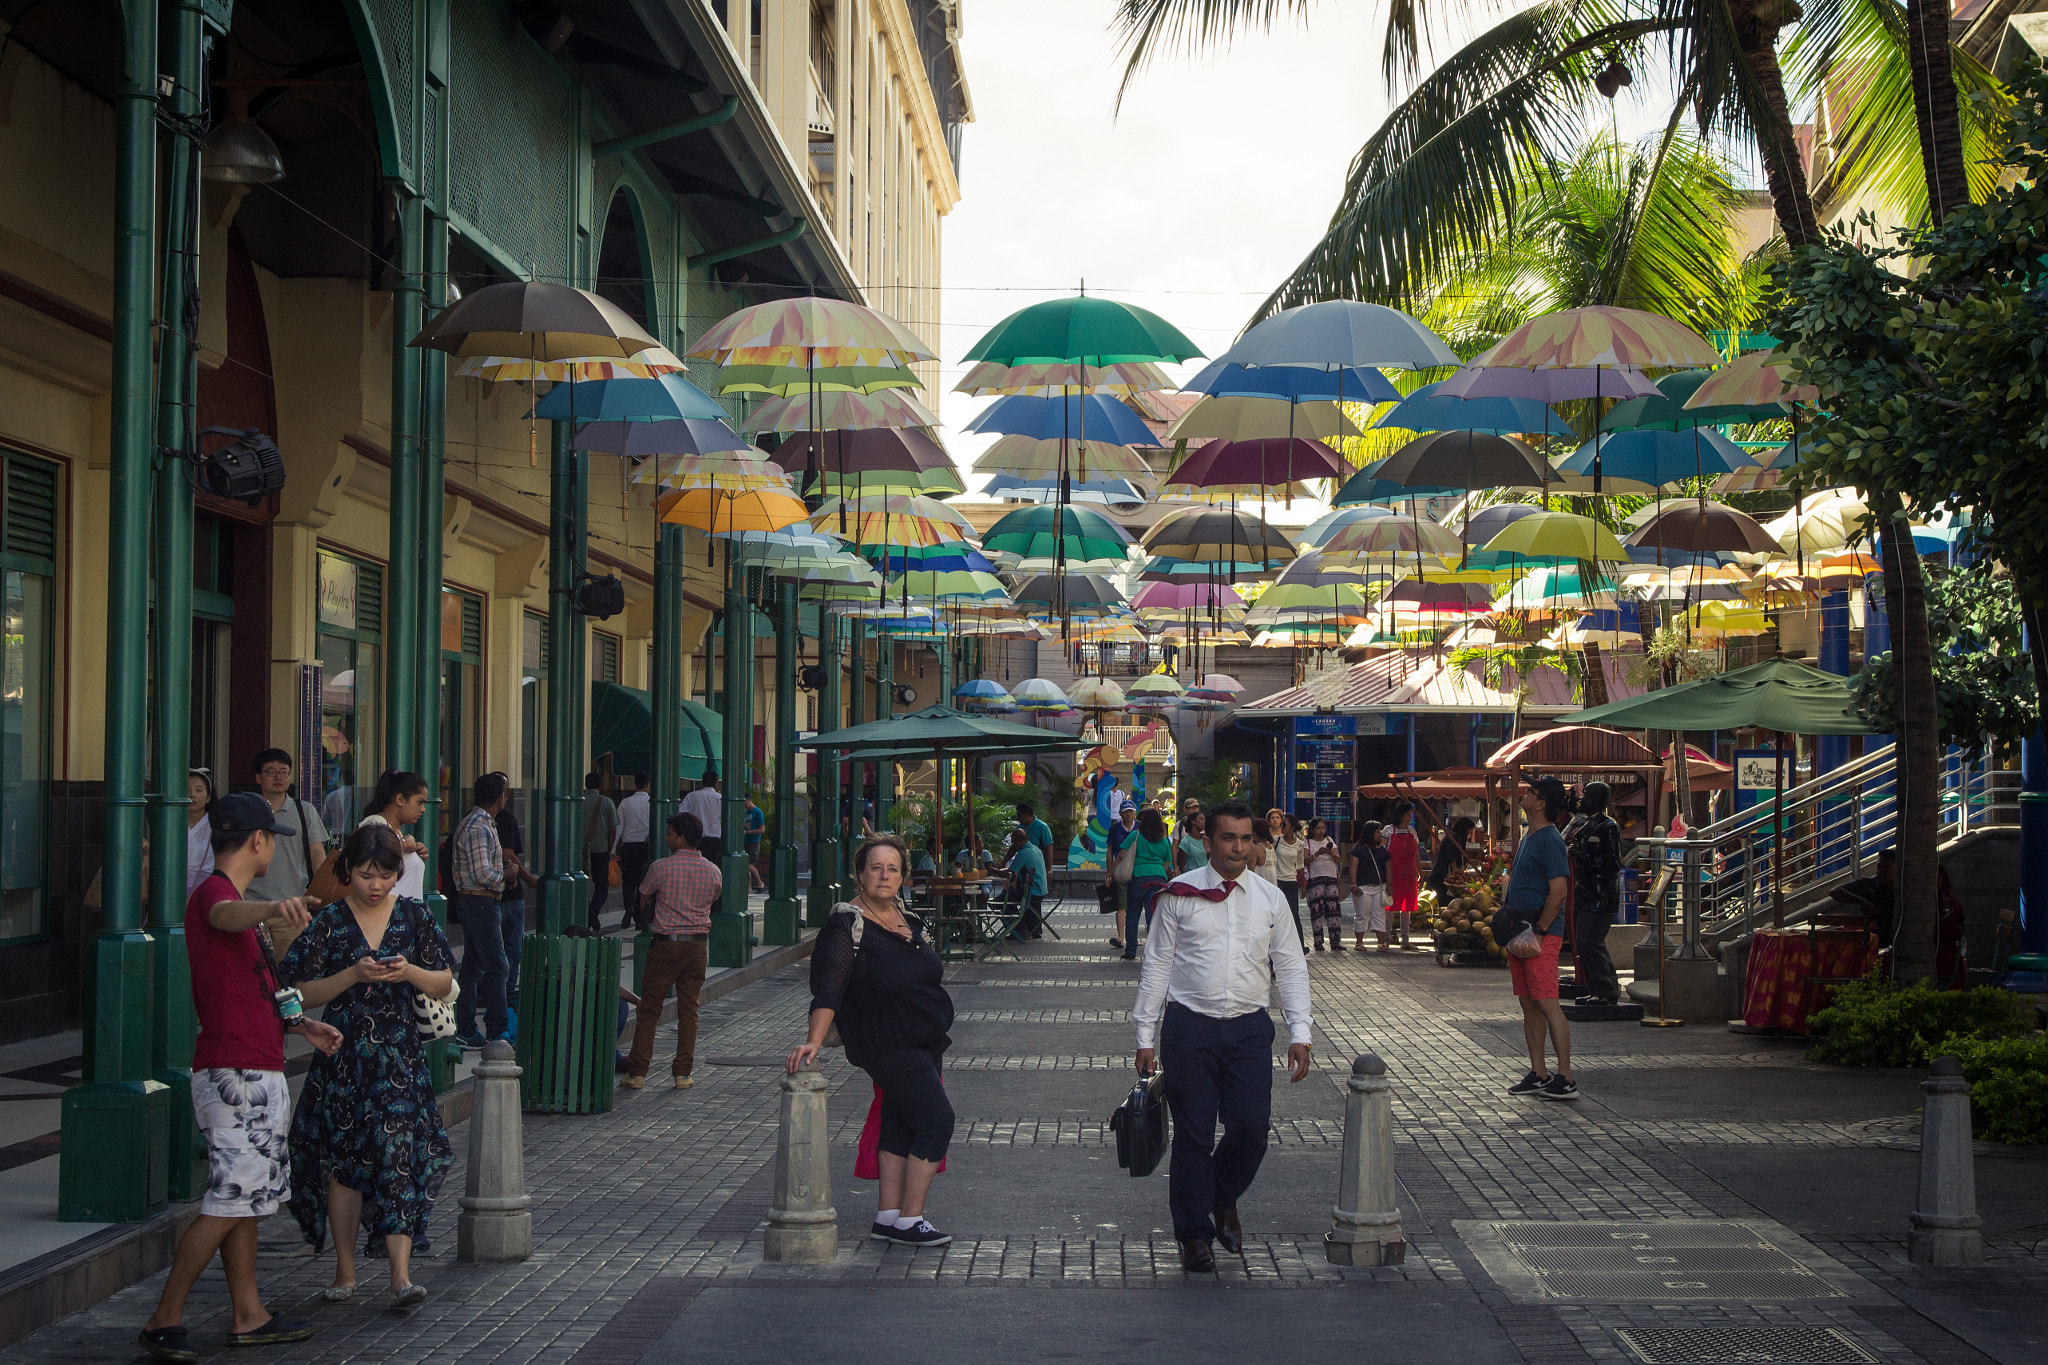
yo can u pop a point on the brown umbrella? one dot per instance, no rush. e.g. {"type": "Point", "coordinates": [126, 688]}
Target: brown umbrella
{"type": "Point", "coordinates": [1701, 526]}
{"type": "Point", "coordinates": [1219, 535]}
{"type": "Point", "coordinates": [534, 321]}
{"type": "Point", "coordinates": [1466, 459]}
{"type": "Point", "coordinates": [863, 451]}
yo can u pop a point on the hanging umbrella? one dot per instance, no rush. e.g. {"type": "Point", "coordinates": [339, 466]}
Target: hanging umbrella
{"type": "Point", "coordinates": [1366, 486]}
{"type": "Point", "coordinates": [1154, 691]}
{"type": "Point", "coordinates": [1851, 566]}
{"type": "Point", "coordinates": [500, 369]}
{"type": "Point", "coordinates": [784, 380]}
{"type": "Point", "coordinates": [725, 470]}
{"type": "Point", "coordinates": [1753, 379]}
{"type": "Point", "coordinates": [1827, 520]}
{"type": "Point", "coordinates": [1464, 459]}
{"type": "Point", "coordinates": [864, 450]}
{"type": "Point", "coordinates": [1119, 493]}
{"type": "Point", "coordinates": [1219, 534]}
{"type": "Point", "coordinates": [943, 482]}
{"type": "Point", "coordinates": [1318, 570]}
{"type": "Point", "coordinates": [1079, 416]}
{"type": "Point", "coordinates": [934, 585]}
{"type": "Point", "coordinates": [534, 321]}
{"type": "Point", "coordinates": [1075, 532]}
{"type": "Point", "coordinates": [982, 694]}
{"type": "Point", "coordinates": [1335, 602]}
{"type": "Point", "coordinates": [1036, 694]}
{"type": "Point", "coordinates": [681, 436]}
{"type": "Point", "coordinates": [1480, 380]}
{"type": "Point", "coordinates": [1083, 331]}
{"type": "Point", "coordinates": [1603, 337]}
{"type": "Point", "coordinates": [1264, 463]}
{"type": "Point", "coordinates": [1225, 379]}
{"type": "Point", "coordinates": [1558, 535]}
{"type": "Point", "coordinates": [810, 332]}
{"type": "Point", "coordinates": [1770, 467]}
{"type": "Point", "coordinates": [1183, 597]}
{"type": "Point", "coordinates": [1316, 532]}
{"type": "Point", "coordinates": [714, 510]}
{"type": "Point", "coordinates": [891, 519]}
{"type": "Point", "coordinates": [1429, 409]}
{"type": "Point", "coordinates": [1083, 592]}
{"type": "Point", "coordinates": [825, 410]}
{"type": "Point", "coordinates": [1096, 694]}
{"type": "Point", "coordinates": [1657, 457]}
{"type": "Point", "coordinates": [1216, 687]}
{"type": "Point", "coordinates": [1342, 333]}
{"type": "Point", "coordinates": [1391, 535]}
{"type": "Point", "coordinates": [952, 553]}
{"type": "Point", "coordinates": [1696, 525]}
{"type": "Point", "coordinates": [1483, 525]}
{"type": "Point", "coordinates": [1039, 381]}
{"type": "Point", "coordinates": [1244, 419]}
{"type": "Point", "coordinates": [1172, 569]}
{"type": "Point", "coordinates": [1081, 461]}
{"type": "Point", "coordinates": [1422, 595]}
{"type": "Point", "coordinates": [663, 398]}
{"type": "Point", "coordinates": [1673, 410]}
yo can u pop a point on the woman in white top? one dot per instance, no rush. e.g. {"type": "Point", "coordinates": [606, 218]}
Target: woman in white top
{"type": "Point", "coordinates": [1283, 841]}
{"type": "Point", "coordinates": [198, 829]}
{"type": "Point", "coordinates": [1325, 901]}
{"type": "Point", "coordinates": [401, 799]}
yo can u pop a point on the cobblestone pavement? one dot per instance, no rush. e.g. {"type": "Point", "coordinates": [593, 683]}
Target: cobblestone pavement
{"type": "Point", "coordinates": [646, 1218]}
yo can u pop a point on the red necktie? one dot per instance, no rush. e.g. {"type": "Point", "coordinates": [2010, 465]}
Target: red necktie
{"type": "Point", "coordinates": [1207, 893]}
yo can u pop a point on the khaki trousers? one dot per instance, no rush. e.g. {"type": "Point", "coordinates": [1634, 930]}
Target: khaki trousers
{"type": "Point", "coordinates": [678, 965]}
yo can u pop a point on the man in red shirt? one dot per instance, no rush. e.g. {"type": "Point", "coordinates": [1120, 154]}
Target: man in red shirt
{"type": "Point", "coordinates": [238, 1089]}
{"type": "Point", "coordinates": [677, 893]}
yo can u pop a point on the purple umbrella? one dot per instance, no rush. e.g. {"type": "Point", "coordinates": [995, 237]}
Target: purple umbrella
{"type": "Point", "coordinates": [1185, 596]}
{"type": "Point", "coordinates": [1268, 462]}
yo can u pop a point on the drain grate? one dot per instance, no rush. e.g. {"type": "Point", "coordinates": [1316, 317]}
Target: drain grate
{"type": "Point", "coordinates": [1744, 1346]}
{"type": "Point", "coordinates": [1676, 1261]}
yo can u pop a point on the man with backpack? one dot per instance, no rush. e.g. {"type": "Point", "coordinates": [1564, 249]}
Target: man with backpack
{"type": "Point", "coordinates": [299, 854]}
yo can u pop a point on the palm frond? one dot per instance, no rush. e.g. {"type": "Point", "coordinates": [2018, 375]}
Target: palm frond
{"type": "Point", "coordinates": [1146, 27]}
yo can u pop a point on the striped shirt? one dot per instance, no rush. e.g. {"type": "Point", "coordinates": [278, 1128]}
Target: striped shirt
{"type": "Point", "coordinates": [479, 857]}
{"type": "Point", "coordinates": [683, 886]}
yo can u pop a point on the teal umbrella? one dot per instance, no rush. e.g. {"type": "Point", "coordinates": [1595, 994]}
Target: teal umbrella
{"type": "Point", "coordinates": [1777, 694]}
{"type": "Point", "coordinates": [1063, 532]}
{"type": "Point", "coordinates": [1082, 331]}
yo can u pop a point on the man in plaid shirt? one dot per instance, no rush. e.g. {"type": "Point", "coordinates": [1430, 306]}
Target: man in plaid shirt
{"type": "Point", "coordinates": [681, 888]}
{"type": "Point", "coordinates": [478, 860]}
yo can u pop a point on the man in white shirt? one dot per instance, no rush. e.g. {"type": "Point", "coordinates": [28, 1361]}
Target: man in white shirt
{"type": "Point", "coordinates": [1221, 936]}
{"type": "Point", "coordinates": [707, 803]}
{"type": "Point", "coordinates": [629, 845]}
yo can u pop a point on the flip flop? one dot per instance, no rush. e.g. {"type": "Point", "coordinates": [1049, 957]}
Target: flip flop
{"type": "Point", "coordinates": [168, 1343]}
{"type": "Point", "coordinates": [276, 1332]}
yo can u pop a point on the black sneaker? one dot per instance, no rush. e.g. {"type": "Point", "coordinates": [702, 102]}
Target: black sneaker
{"type": "Point", "coordinates": [1558, 1087]}
{"type": "Point", "coordinates": [1529, 1084]}
{"type": "Point", "coordinates": [918, 1234]}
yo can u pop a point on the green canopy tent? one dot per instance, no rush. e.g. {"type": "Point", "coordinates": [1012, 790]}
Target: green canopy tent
{"type": "Point", "coordinates": [622, 725]}
{"type": "Point", "coordinates": [1781, 695]}
{"type": "Point", "coordinates": [940, 730]}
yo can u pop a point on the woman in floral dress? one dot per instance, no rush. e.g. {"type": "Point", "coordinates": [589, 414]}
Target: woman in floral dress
{"type": "Point", "coordinates": [367, 1145]}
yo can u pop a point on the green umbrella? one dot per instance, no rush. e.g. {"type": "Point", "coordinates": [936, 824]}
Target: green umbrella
{"type": "Point", "coordinates": [1668, 411]}
{"type": "Point", "coordinates": [1777, 694]}
{"type": "Point", "coordinates": [1082, 331]}
{"type": "Point", "coordinates": [1045, 529]}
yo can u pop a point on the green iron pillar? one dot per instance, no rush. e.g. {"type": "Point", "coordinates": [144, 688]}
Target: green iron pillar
{"type": "Point", "coordinates": [885, 707]}
{"type": "Point", "coordinates": [779, 920]}
{"type": "Point", "coordinates": [732, 927]}
{"type": "Point", "coordinates": [564, 887]}
{"type": "Point", "coordinates": [666, 777]}
{"type": "Point", "coordinates": [433, 450]}
{"type": "Point", "coordinates": [403, 627]}
{"type": "Point", "coordinates": [174, 1028]}
{"type": "Point", "coordinates": [825, 823]}
{"type": "Point", "coordinates": [114, 1157]}
{"type": "Point", "coordinates": [856, 713]}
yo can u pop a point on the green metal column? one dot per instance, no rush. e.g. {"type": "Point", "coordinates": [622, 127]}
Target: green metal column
{"type": "Point", "coordinates": [403, 625]}
{"type": "Point", "coordinates": [564, 887]}
{"type": "Point", "coordinates": [945, 648]}
{"type": "Point", "coordinates": [885, 707]}
{"type": "Point", "coordinates": [826, 825]}
{"type": "Point", "coordinates": [115, 1143]}
{"type": "Point", "coordinates": [175, 1027]}
{"type": "Point", "coordinates": [856, 713]}
{"type": "Point", "coordinates": [732, 927]}
{"type": "Point", "coordinates": [667, 703]}
{"type": "Point", "coordinates": [779, 923]}
{"type": "Point", "coordinates": [444, 1053]}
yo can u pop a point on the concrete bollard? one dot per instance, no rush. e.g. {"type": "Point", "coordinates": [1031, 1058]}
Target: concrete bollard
{"type": "Point", "coordinates": [1946, 1228]}
{"type": "Point", "coordinates": [802, 1224]}
{"type": "Point", "coordinates": [496, 1222]}
{"type": "Point", "coordinates": [1367, 1219]}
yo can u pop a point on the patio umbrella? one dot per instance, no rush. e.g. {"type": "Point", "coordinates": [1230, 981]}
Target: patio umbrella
{"type": "Point", "coordinates": [841, 408]}
{"type": "Point", "coordinates": [1777, 694]}
{"type": "Point", "coordinates": [1696, 525]}
{"type": "Point", "coordinates": [534, 321]}
{"type": "Point", "coordinates": [1342, 334]}
{"type": "Point", "coordinates": [1464, 459]}
{"type": "Point", "coordinates": [1082, 416]}
{"type": "Point", "coordinates": [1430, 409]}
{"type": "Point", "coordinates": [1264, 463]}
{"type": "Point", "coordinates": [992, 377]}
{"type": "Point", "coordinates": [636, 439]}
{"type": "Point", "coordinates": [1357, 384]}
{"type": "Point", "coordinates": [1242, 419]}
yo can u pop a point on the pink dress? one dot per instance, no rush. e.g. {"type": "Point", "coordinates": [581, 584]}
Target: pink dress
{"type": "Point", "coordinates": [1404, 872]}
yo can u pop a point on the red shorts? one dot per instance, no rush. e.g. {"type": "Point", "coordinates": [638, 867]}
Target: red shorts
{"type": "Point", "coordinates": [1536, 977]}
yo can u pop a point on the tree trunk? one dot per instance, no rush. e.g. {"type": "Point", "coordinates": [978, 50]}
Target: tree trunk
{"type": "Point", "coordinates": [1784, 168]}
{"type": "Point", "coordinates": [1596, 676]}
{"type": "Point", "coordinates": [1918, 799]}
{"type": "Point", "coordinates": [1935, 107]}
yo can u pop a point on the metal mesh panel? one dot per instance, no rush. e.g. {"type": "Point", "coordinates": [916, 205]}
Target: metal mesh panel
{"type": "Point", "coordinates": [394, 22]}
{"type": "Point", "coordinates": [1661, 1262]}
{"type": "Point", "coordinates": [1744, 1346]}
{"type": "Point", "coordinates": [512, 153]}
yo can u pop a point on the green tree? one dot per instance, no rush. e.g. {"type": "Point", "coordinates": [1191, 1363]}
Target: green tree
{"type": "Point", "coordinates": [1983, 679]}
{"type": "Point", "coordinates": [1517, 655]}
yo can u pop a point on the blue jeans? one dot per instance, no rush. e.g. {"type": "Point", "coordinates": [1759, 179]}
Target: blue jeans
{"type": "Point", "coordinates": [515, 943]}
{"type": "Point", "coordinates": [482, 978]}
{"type": "Point", "coordinates": [1138, 895]}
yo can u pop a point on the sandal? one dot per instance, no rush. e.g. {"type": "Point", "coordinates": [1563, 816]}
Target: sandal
{"type": "Point", "coordinates": [338, 1293]}
{"type": "Point", "coordinates": [411, 1296]}
{"type": "Point", "coordinates": [168, 1343]}
{"type": "Point", "coordinates": [1116, 943]}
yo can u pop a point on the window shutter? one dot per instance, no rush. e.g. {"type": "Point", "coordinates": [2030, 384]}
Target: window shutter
{"type": "Point", "coordinates": [369, 598]}
{"type": "Point", "coordinates": [31, 520]}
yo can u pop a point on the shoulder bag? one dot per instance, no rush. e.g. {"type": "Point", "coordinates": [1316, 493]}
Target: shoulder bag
{"type": "Point", "coordinates": [435, 1019]}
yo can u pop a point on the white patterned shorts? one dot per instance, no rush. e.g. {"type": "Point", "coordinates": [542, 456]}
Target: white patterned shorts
{"type": "Point", "coordinates": [1369, 909]}
{"type": "Point", "coordinates": [246, 1116]}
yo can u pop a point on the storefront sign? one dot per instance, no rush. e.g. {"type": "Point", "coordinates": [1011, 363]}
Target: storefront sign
{"type": "Point", "coordinates": [1756, 775]}
{"type": "Point", "coordinates": [337, 592]}
{"type": "Point", "coordinates": [1326, 725]}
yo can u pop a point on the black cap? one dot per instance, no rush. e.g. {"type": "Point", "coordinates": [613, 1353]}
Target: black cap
{"type": "Point", "coordinates": [244, 813]}
{"type": "Point", "coordinates": [1552, 791]}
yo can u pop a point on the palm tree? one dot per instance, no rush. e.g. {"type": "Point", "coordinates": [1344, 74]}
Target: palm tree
{"type": "Point", "coordinates": [1516, 653]}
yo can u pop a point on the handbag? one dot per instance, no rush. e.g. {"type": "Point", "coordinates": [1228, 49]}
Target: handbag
{"type": "Point", "coordinates": [614, 875]}
{"type": "Point", "coordinates": [435, 1018]}
{"type": "Point", "coordinates": [1105, 900]}
{"type": "Point", "coordinates": [1141, 1126]}
{"type": "Point", "coordinates": [1126, 864]}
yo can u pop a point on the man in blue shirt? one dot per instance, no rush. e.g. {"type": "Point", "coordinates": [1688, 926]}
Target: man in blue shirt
{"type": "Point", "coordinates": [1036, 832]}
{"type": "Point", "coordinates": [1536, 892]}
{"type": "Point", "coordinates": [1027, 883]}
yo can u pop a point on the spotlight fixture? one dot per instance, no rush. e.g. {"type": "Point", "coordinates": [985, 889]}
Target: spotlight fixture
{"type": "Point", "coordinates": [248, 468]}
{"type": "Point", "coordinates": [603, 597]}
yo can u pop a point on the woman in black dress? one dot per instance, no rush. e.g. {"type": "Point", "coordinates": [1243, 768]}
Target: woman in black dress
{"type": "Point", "coordinates": [367, 1145]}
{"type": "Point", "coordinates": [874, 974]}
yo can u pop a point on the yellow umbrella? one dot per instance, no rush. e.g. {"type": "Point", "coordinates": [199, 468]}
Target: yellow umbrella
{"type": "Point", "coordinates": [1845, 565]}
{"type": "Point", "coordinates": [1557, 535]}
{"type": "Point", "coordinates": [716, 510]}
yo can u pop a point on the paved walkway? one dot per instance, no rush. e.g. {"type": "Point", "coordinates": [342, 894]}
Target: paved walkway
{"type": "Point", "coordinates": [647, 1217]}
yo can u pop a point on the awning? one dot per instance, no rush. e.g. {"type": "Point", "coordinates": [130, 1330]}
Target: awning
{"type": "Point", "coordinates": [622, 725]}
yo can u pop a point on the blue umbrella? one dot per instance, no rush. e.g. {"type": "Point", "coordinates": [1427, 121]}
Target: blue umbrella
{"type": "Point", "coordinates": [1425, 410]}
{"type": "Point", "coordinates": [1077, 416]}
{"type": "Point", "coordinates": [1365, 486]}
{"type": "Point", "coordinates": [1658, 457]}
{"type": "Point", "coordinates": [1222, 379]}
{"type": "Point", "coordinates": [673, 436]}
{"type": "Point", "coordinates": [896, 559]}
{"type": "Point", "coordinates": [1103, 491]}
{"type": "Point", "coordinates": [667, 396]}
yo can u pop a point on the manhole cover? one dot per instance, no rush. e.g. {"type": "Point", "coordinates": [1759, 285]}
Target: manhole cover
{"type": "Point", "coordinates": [1744, 1346]}
{"type": "Point", "coordinates": [745, 1061]}
{"type": "Point", "coordinates": [1675, 1261]}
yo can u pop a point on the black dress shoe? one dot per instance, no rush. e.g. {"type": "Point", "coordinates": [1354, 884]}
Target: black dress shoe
{"type": "Point", "coordinates": [1195, 1256]}
{"type": "Point", "coordinates": [1229, 1232]}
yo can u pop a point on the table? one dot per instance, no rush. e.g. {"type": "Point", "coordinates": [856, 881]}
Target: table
{"type": "Point", "coordinates": [1776, 990]}
{"type": "Point", "coordinates": [958, 912]}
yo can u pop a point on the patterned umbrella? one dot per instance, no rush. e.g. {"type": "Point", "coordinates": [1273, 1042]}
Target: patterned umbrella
{"type": "Point", "coordinates": [784, 380]}
{"type": "Point", "coordinates": [891, 519]}
{"type": "Point", "coordinates": [1036, 694]}
{"type": "Point", "coordinates": [1752, 379]}
{"type": "Point", "coordinates": [1179, 597]}
{"type": "Point", "coordinates": [1072, 532]}
{"type": "Point", "coordinates": [985, 695]}
{"type": "Point", "coordinates": [1153, 692]}
{"type": "Point", "coordinates": [826, 410]}
{"type": "Point", "coordinates": [1217, 687]}
{"type": "Point", "coordinates": [1085, 461]}
{"type": "Point", "coordinates": [1602, 337]}
{"type": "Point", "coordinates": [811, 333]}
{"type": "Point", "coordinates": [1674, 410]}
{"type": "Point", "coordinates": [1041, 381]}
{"type": "Point", "coordinates": [1096, 694]}
{"type": "Point", "coordinates": [647, 364]}
{"type": "Point", "coordinates": [1391, 535]}
{"type": "Point", "coordinates": [725, 470]}
{"type": "Point", "coordinates": [1482, 379]}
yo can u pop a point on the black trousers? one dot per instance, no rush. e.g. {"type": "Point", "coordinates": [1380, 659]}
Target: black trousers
{"type": "Point", "coordinates": [916, 1118]}
{"type": "Point", "coordinates": [1589, 942]}
{"type": "Point", "coordinates": [632, 867]}
{"type": "Point", "coordinates": [712, 847]}
{"type": "Point", "coordinates": [599, 868]}
{"type": "Point", "coordinates": [1215, 1068]}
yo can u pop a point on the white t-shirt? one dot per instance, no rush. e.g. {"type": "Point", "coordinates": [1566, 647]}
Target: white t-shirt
{"type": "Point", "coordinates": [198, 853]}
{"type": "Point", "coordinates": [634, 812]}
{"type": "Point", "coordinates": [413, 881]}
{"type": "Point", "coordinates": [708, 805]}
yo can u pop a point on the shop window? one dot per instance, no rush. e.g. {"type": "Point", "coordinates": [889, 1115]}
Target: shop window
{"type": "Point", "coordinates": [462, 645]}
{"type": "Point", "coordinates": [350, 623]}
{"type": "Point", "coordinates": [28, 548]}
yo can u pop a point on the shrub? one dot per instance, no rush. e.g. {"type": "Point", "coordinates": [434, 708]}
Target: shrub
{"type": "Point", "coordinates": [2008, 1085]}
{"type": "Point", "coordinates": [1875, 1022]}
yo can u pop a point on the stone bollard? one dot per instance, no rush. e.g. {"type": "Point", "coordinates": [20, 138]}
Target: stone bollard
{"type": "Point", "coordinates": [1946, 1228]}
{"type": "Point", "coordinates": [496, 1222]}
{"type": "Point", "coordinates": [1367, 1220]}
{"type": "Point", "coordinates": [802, 1224]}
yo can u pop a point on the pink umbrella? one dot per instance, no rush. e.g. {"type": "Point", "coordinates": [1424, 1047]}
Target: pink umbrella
{"type": "Point", "coordinates": [1546, 386]}
{"type": "Point", "coordinates": [1185, 596]}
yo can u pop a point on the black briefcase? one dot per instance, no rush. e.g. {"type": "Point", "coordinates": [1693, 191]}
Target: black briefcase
{"type": "Point", "coordinates": [1105, 899]}
{"type": "Point", "coordinates": [1141, 1126]}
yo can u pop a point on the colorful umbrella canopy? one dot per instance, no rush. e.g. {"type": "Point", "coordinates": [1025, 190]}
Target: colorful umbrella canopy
{"type": "Point", "coordinates": [1219, 534]}
{"type": "Point", "coordinates": [1465, 459]}
{"type": "Point", "coordinates": [1036, 694]}
{"type": "Point", "coordinates": [1558, 535]}
{"type": "Point", "coordinates": [1083, 331]}
{"type": "Point", "coordinates": [1099, 492]}
{"type": "Point", "coordinates": [1298, 383]}
{"type": "Point", "coordinates": [1550, 583]}
{"type": "Point", "coordinates": [1096, 694]}
{"type": "Point", "coordinates": [1265, 463]}
{"type": "Point", "coordinates": [1657, 457]}
{"type": "Point", "coordinates": [810, 332]}
{"type": "Point", "coordinates": [656, 360]}
{"type": "Point", "coordinates": [1670, 411]}
{"type": "Point", "coordinates": [1334, 601]}
{"type": "Point", "coordinates": [1244, 419]}
{"type": "Point", "coordinates": [1342, 334]}
{"type": "Point", "coordinates": [1602, 337]}
{"type": "Point", "coordinates": [1079, 416]}
{"type": "Point", "coordinates": [783, 380]}
{"type": "Point", "coordinates": [891, 519]}
{"type": "Point", "coordinates": [680, 436]}
{"type": "Point", "coordinates": [1852, 565]}
{"type": "Point", "coordinates": [1040, 381]}
{"type": "Point", "coordinates": [840, 408]}
{"type": "Point", "coordinates": [714, 510]}
{"type": "Point", "coordinates": [937, 483]}
{"type": "Point", "coordinates": [1702, 525]}
{"type": "Point", "coordinates": [984, 694]}
{"type": "Point", "coordinates": [1752, 379]}
{"type": "Point", "coordinates": [662, 398]}
{"type": "Point", "coordinates": [534, 321]}
{"type": "Point", "coordinates": [1088, 461]}
{"type": "Point", "coordinates": [1429, 409]}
